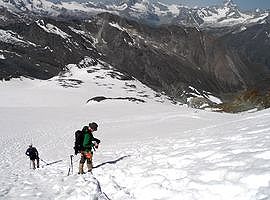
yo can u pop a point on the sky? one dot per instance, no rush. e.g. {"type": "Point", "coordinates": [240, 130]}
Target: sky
{"type": "Point", "coordinates": [244, 4]}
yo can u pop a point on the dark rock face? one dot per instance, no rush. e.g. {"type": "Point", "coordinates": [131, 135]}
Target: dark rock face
{"type": "Point", "coordinates": [253, 46]}
{"type": "Point", "coordinates": [29, 50]}
{"type": "Point", "coordinates": [188, 17]}
{"type": "Point", "coordinates": [172, 57]}
{"type": "Point", "coordinates": [102, 98]}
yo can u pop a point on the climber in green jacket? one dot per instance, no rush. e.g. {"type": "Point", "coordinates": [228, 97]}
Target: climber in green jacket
{"type": "Point", "coordinates": [90, 143]}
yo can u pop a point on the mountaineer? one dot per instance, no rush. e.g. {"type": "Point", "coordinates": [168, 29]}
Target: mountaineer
{"type": "Point", "coordinates": [32, 152]}
{"type": "Point", "coordinates": [89, 144]}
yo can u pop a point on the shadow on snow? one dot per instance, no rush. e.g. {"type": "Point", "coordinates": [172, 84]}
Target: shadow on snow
{"type": "Point", "coordinates": [111, 162]}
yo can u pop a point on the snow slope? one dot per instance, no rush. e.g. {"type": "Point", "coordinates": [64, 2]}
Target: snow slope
{"type": "Point", "coordinates": [151, 150]}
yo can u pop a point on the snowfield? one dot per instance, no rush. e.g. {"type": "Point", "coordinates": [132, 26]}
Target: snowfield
{"type": "Point", "coordinates": [151, 150]}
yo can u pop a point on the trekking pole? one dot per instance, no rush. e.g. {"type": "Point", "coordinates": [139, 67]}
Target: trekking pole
{"type": "Point", "coordinates": [71, 163]}
{"type": "Point", "coordinates": [68, 171]}
{"type": "Point", "coordinates": [43, 161]}
{"type": "Point", "coordinates": [70, 168]}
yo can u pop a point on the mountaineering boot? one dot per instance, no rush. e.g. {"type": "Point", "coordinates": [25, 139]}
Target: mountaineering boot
{"type": "Point", "coordinates": [89, 166]}
{"type": "Point", "coordinates": [81, 168]}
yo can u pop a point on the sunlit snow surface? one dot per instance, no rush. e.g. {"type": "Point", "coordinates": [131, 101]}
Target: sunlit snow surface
{"type": "Point", "coordinates": [152, 150]}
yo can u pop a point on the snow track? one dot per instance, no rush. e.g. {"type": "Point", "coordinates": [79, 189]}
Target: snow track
{"type": "Point", "coordinates": [157, 152]}
{"type": "Point", "coordinates": [52, 183]}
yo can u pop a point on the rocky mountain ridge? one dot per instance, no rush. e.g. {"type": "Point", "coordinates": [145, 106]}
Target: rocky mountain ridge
{"type": "Point", "coordinates": [154, 13]}
{"type": "Point", "coordinates": [228, 14]}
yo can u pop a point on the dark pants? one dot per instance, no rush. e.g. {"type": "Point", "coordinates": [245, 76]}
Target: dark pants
{"type": "Point", "coordinates": [33, 162]}
{"type": "Point", "coordinates": [82, 161]}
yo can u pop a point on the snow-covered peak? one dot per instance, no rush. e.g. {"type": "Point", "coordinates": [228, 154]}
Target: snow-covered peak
{"type": "Point", "coordinates": [129, 3]}
{"type": "Point", "coordinates": [228, 14]}
{"type": "Point", "coordinates": [45, 7]}
{"type": "Point", "coordinates": [229, 3]}
{"type": "Point", "coordinates": [30, 5]}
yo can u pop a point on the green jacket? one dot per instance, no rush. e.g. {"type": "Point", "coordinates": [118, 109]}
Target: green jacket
{"type": "Point", "coordinates": [88, 140]}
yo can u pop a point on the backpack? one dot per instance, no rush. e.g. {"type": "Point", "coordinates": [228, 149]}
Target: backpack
{"type": "Point", "coordinates": [32, 153]}
{"type": "Point", "coordinates": [79, 137]}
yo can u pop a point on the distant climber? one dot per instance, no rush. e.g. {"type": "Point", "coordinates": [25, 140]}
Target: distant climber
{"type": "Point", "coordinates": [32, 152]}
{"type": "Point", "coordinates": [89, 144]}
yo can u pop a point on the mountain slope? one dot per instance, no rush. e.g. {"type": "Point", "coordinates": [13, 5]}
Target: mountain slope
{"type": "Point", "coordinates": [182, 61]}
{"type": "Point", "coordinates": [168, 58]}
{"type": "Point", "coordinates": [80, 84]}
